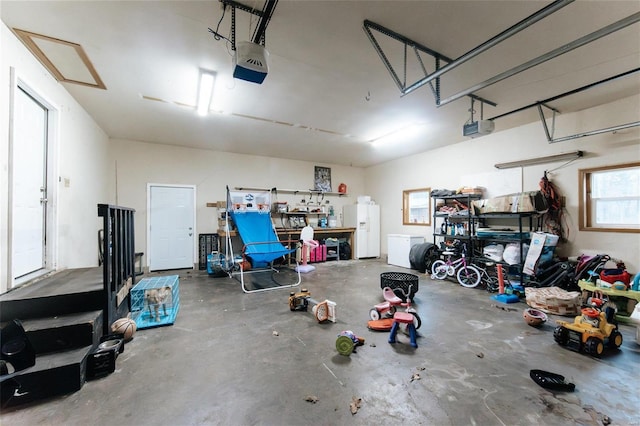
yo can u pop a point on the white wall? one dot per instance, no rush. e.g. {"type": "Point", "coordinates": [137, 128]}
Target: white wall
{"type": "Point", "coordinates": [117, 171]}
{"type": "Point", "coordinates": [445, 167]}
{"type": "Point", "coordinates": [138, 163]}
{"type": "Point", "coordinates": [81, 151]}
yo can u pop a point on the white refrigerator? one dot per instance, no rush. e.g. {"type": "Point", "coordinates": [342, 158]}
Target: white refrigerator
{"type": "Point", "coordinates": [366, 219]}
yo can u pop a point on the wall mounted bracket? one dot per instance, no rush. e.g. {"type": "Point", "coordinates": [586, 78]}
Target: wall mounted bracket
{"type": "Point", "coordinates": [417, 48]}
{"type": "Point", "coordinates": [544, 103]}
{"type": "Point", "coordinates": [552, 139]}
{"type": "Point", "coordinates": [451, 63]}
{"type": "Point", "coordinates": [264, 16]}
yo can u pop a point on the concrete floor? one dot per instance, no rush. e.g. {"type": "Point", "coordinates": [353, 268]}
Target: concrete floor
{"type": "Point", "coordinates": [222, 364]}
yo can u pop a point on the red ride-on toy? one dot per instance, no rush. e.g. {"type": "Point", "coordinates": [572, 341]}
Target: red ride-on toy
{"type": "Point", "coordinates": [387, 308]}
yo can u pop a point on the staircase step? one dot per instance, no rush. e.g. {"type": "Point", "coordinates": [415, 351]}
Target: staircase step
{"type": "Point", "coordinates": [53, 374]}
{"type": "Point", "coordinates": [66, 292]}
{"type": "Point", "coordinates": [64, 332]}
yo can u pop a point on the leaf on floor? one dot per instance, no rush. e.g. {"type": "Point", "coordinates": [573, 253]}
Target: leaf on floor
{"type": "Point", "coordinates": [355, 404]}
{"type": "Point", "coordinates": [596, 415]}
{"type": "Point", "coordinates": [311, 398]}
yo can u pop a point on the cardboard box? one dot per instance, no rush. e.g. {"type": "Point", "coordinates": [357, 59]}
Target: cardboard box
{"type": "Point", "coordinates": [553, 300]}
{"type": "Point", "coordinates": [524, 202]}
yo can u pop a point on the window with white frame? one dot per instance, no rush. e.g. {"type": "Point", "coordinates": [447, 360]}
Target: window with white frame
{"type": "Point", "coordinates": [610, 198]}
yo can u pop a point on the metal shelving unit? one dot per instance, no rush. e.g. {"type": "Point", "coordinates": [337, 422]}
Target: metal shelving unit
{"type": "Point", "coordinates": [444, 222]}
{"type": "Point", "coordinates": [523, 220]}
{"type": "Point", "coordinates": [526, 222]}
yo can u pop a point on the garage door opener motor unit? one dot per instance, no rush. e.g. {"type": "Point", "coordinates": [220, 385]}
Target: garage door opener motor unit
{"type": "Point", "coordinates": [478, 128]}
{"type": "Point", "coordinates": [250, 62]}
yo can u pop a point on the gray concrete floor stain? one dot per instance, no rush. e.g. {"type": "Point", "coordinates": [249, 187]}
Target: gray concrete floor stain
{"type": "Point", "coordinates": [222, 364]}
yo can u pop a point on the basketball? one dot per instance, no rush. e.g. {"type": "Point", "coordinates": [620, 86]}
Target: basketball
{"type": "Point", "coordinates": [124, 326]}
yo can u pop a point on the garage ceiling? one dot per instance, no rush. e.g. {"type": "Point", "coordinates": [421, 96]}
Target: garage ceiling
{"type": "Point", "coordinates": [327, 94]}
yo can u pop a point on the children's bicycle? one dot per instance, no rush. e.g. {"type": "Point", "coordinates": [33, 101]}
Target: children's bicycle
{"type": "Point", "coordinates": [488, 279]}
{"type": "Point", "coordinates": [467, 275]}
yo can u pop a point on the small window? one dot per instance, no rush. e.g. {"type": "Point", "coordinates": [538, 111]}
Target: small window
{"type": "Point", "coordinates": [610, 198]}
{"type": "Point", "coordinates": [416, 206]}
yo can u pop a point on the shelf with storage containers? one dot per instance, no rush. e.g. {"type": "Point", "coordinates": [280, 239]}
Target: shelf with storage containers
{"type": "Point", "coordinates": [318, 213]}
{"type": "Point", "coordinates": [333, 248]}
{"type": "Point", "coordinates": [453, 219]}
{"type": "Point", "coordinates": [300, 219]}
{"type": "Point", "coordinates": [293, 191]}
{"type": "Point", "coordinates": [500, 234]}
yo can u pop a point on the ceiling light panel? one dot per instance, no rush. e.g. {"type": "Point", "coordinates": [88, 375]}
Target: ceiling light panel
{"type": "Point", "coordinates": [205, 91]}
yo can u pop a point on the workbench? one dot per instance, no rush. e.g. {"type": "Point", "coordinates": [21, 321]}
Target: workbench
{"type": "Point", "coordinates": [285, 234]}
{"type": "Point", "coordinates": [319, 234]}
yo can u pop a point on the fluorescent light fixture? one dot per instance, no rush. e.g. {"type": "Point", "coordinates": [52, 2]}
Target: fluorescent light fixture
{"type": "Point", "coordinates": [406, 132]}
{"type": "Point", "coordinates": [541, 160]}
{"type": "Point", "coordinates": [223, 100]}
{"type": "Point", "coordinates": [205, 91]}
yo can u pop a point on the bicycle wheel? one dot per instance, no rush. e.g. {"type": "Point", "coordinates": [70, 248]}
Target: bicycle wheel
{"type": "Point", "coordinates": [417, 322]}
{"type": "Point", "coordinates": [469, 276]}
{"type": "Point", "coordinates": [439, 269]}
{"type": "Point", "coordinates": [491, 284]}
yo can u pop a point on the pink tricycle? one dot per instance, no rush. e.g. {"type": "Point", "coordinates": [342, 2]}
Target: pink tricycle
{"type": "Point", "coordinates": [387, 308]}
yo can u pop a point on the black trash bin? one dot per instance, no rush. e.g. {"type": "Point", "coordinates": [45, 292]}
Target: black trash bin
{"type": "Point", "coordinates": [401, 283]}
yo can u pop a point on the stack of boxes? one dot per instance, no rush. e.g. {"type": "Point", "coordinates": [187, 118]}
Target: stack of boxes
{"type": "Point", "coordinates": [525, 202]}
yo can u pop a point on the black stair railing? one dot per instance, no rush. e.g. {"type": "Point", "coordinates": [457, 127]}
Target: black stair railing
{"type": "Point", "coordinates": [118, 248]}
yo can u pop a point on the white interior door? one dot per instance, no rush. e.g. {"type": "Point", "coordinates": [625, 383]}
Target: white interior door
{"type": "Point", "coordinates": [171, 227]}
{"type": "Point", "coordinates": [29, 194]}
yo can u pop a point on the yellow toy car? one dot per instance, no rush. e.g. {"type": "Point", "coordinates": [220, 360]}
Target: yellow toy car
{"type": "Point", "coordinates": [588, 332]}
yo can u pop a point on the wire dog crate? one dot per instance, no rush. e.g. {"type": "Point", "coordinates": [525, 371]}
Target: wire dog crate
{"type": "Point", "coordinates": [155, 301]}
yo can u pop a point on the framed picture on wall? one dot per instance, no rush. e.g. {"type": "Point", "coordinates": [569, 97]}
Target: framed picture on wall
{"type": "Point", "coordinates": [322, 179]}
